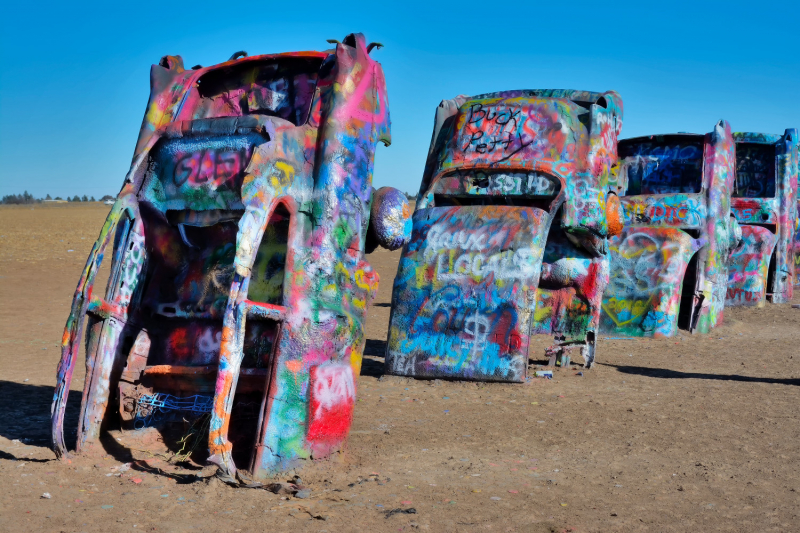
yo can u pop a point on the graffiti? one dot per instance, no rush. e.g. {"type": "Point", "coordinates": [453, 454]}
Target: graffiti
{"type": "Point", "coordinates": [391, 216]}
{"type": "Point", "coordinates": [333, 393]}
{"type": "Point", "coordinates": [747, 274]}
{"type": "Point", "coordinates": [753, 211]}
{"type": "Point", "coordinates": [797, 239]}
{"type": "Point", "coordinates": [669, 267]}
{"type": "Point", "coordinates": [646, 281]}
{"type": "Point", "coordinates": [239, 274]}
{"type": "Point", "coordinates": [199, 173]}
{"type": "Point", "coordinates": [510, 264]}
{"type": "Point", "coordinates": [494, 127]}
{"type": "Point", "coordinates": [765, 204]}
{"type": "Point", "coordinates": [797, 263]}
{"type": "Point", "coordinates": [497, 183]}
{"type": "Point", "coordinates": [209, 166]}
{"type": "Point", "coordinates": [755, 170]}
{"type": "Point", "coordinates": [469, 276]}
{"type": "Point", "coordinates": [675, 210]}
{"type": "Point", "coordinates": [663, 166]}
{"type": "Point", "coordinates": [502, 170]}
{"type": "Point", "coordinates": [570, 294]}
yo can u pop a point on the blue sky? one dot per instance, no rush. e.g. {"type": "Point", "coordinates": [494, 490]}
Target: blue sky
{"type": "Point", "coordinates": [74, 78]}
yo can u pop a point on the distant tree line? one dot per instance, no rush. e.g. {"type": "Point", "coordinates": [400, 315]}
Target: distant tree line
{"type": "Point", "coordinates": [24, 198]}
{"type": "Point", "coordinates": [28, 198]}
{"type": "Point", "coordinates": [77, 198]}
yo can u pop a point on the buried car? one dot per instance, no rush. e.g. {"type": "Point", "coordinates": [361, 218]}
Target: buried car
{"type": "Point", "coordinates": [797, 242]}
{"type": "Point", "coordinates": [502, 168]}
{"type": "Point", "coordinates": [765, 204]}
{"type": "Point", "coordinates": [669, 264]}
{"type": "Point", "coordinates": [238, 285]}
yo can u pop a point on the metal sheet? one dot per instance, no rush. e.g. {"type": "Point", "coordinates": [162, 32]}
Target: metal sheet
{"type": "Point", "coordinates": [465, 291]}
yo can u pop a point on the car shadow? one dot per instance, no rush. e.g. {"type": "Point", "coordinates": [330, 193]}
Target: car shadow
{"type": "Point", "coordinates": [11, 457]}
{"type": "Point", "coordinates": [372, 364]}
{"type": "Point", "coordinates": [27, 413]}
{"type": "Point", "coordinates": [665, 373]}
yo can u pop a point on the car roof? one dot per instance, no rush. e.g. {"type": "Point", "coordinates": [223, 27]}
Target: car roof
{"type": "Point", "coordinates": [754, 137]}
{"type": "Point", "coordinates": [645, 138]}
{"type": "Point", "coordinates": [589, 97]}
{"type": "Point", "coordinates": [265, 57]}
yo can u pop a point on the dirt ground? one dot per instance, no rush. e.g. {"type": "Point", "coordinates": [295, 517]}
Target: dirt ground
{"type": "Point", "coordinates": [695, 433]}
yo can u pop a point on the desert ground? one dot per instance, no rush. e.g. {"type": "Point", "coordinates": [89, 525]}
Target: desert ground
{"type": "Point", "coordinates": [693, 433]}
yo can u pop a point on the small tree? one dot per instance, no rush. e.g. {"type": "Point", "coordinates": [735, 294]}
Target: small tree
{"type": "Point", "coordinates": [48, 197]}
{"type": "Point", "coordinates": [85, 198]}
{"type": "Point", "coordinates": [76, 198]}
{"type": "Point", "coordinates": [92, 199]}
{"type": "Point", "coordinates": [59, 198]}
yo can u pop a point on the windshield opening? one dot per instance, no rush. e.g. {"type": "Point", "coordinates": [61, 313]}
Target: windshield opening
{"type": "Point", "coordinates": [282, 88]}
{"type": "Point", "coordinates": [755, 171]}
{"type": "Point", "coordinates": [663, 166]}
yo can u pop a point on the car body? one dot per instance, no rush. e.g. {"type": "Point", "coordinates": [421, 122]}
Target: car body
{"type": "Point", "coordinates": [238, 281]}
{"type": "Point", "coordinates": [669, 264]}
{"type": "Point", "coordinates": [570, 293]}
{"type": "Point", "coordinates": [502, 167]}
{"type": "Point", "coordinates": [797, 245]}
{"type": "Point", "coordinates": [765, 204]}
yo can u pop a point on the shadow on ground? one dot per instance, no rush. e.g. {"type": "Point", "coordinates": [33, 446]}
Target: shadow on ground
{"type": "Point", "coordinates": [372, 363]}
{"type": "Point", "coordinates": [27, 413]}
{"type": "Point", "coordinates": [665, 373]}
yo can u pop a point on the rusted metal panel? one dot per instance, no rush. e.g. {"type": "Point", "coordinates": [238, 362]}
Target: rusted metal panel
{"type": "Point", "coordinates": [675, 192]}
{"type": "Point", "coordinates": [764, 201]}
{"type": "Point", "coordinates": [538, 158]}
{"type": "Point", "coordinates": [239, 277]}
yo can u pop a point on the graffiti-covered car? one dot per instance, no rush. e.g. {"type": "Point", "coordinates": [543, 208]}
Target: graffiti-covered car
{"type": "Point", "coordinates": [501, 169]}
{"type": "Point", "coordinates": [765, 204]}
{"type": "Point", "coordinates": [797, 240]}
{"type": "Point", "coordinates": [238, 285]}
{"type": "Point", "coordinates": [669, 264]}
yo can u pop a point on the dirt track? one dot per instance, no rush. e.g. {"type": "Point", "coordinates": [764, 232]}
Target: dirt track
{"type": "Point", "coordinates": [692, 433]}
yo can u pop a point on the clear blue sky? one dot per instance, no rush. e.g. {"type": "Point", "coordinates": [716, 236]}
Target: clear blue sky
{"type": "Point", "coordinates": [74, 77]}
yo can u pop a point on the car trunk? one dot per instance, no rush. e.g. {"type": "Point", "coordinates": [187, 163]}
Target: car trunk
{"type": "Point", "coordinates": [465, 292]}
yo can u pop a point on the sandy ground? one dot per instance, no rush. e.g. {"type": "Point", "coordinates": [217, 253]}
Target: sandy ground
{"type": "Point", "coordinates": [687, 434]}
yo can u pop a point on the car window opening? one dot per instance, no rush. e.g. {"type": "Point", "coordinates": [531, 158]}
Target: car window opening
{"type": "Point", "coordinates": [443, 200]}
{"type": "Point", "coordinates": [665, 165]}
{"type": "Point", "coordinates": [755, 171]}
{"type": "Point", "coordinates": [282, 88]}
